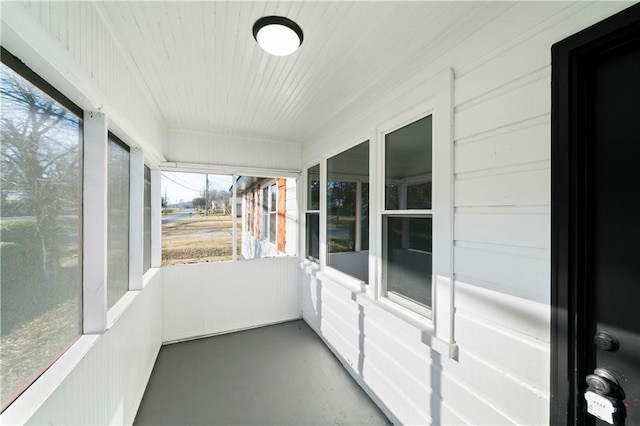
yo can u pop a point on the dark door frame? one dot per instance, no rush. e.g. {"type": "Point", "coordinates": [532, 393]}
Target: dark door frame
{"type": "Point", "coordinates": [570, 343]}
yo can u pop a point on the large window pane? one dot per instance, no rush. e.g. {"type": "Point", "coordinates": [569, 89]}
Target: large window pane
{"type": "Point", "coordinates": [407, 243]}
{"type": "Point", "coordinates": [197, 224]}
{"type": "Point", "coordinates": [406, 238]}
{"type": "Point", "coordinates": [313, 237]}
{"type": "Point", "coordinates": [147, 220]}
{"type": "Point", "coordinates": [313, 188]}
{"type": "Point", "coordinates": [347, 210]}
{"type": "Point", "coordinates": [408, 166]}
{"type": "Point", "coordinates": [364, 223]}
{"type": "Point", "coordinates": [117, 221]}
{"type": "Point", "coordinates": [312, 240]}
{"type": "Point", "coordinates": [41, 312]}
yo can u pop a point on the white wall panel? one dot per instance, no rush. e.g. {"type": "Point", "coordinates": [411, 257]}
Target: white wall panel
{"type": "Point", "coordinates": [71, 46]}
{"type": "Point", "coordinates": [506, 189]}
{"type": "Point", "coordinates": [508, 147]}
{"type": "Point", "coordinates": [515, 353]}
{"type": "Point", "coordinates": [501, 233]}
{"type": "Point", "coordinates": [477, 409]}
{"type": "Point", "coordinates": [107, 384]}
{"type": "Point", "coordinates": [501, 268]}
{"type": "Point", "coordinates": [518, 102]}
{"type": "Point", "coordinates": [402, 371]}
{"type": "Point", "coordinates": [522, 227]}
{"type": "Point", "coordinates": [496, 386]}
{"type": "Point", "coordinates": [210, 149]}
{"type": "Point", "coordinates": [515, 313]}
{"type": "Point", "coordinates": [212, 298]}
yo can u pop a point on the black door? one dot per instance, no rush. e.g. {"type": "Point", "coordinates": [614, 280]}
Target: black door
{"type": "Point", "coordinates": [596, 225]}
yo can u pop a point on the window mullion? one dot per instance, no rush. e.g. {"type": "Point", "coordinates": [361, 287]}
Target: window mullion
{"type": "Point", "coordinates": [136, 218]}
{"type": "Point", "coordinates": [94, 219]}
{"type": "Point", "coordinates": [156, 219]}
{"type": "Point", "coordinates": [358, 225]}
{"type": "Point", "coordinates": [234, 231]}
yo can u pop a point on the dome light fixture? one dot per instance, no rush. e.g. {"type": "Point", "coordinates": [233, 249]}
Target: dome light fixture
{"type": "Point", "coordinates": [277, 35]}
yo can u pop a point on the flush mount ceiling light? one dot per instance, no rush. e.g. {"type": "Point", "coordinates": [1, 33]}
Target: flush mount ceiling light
{"type": "Point", "coordinates": [277, 35]}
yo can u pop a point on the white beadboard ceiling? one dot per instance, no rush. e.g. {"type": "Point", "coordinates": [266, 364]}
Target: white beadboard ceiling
{"type": "Point", "coordinates": [205, 72]}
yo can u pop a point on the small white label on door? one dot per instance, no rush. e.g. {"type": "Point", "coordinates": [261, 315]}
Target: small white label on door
{"type": "Point", "coordinates": [600, 406]}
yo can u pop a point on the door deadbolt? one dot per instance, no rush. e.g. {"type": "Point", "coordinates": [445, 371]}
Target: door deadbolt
{"type": "Point", "coordinates": [606, 341]}
{"type": "Point", "coordinates": [603, 382]}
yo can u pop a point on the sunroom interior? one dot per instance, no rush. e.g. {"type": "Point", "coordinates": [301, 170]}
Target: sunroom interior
{"type": "Point", "coordinates": [388, 183]}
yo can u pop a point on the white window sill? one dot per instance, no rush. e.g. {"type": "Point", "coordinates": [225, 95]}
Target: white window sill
{"type": "Point", "coordinates": [309, 266]}
{"type": "Point", "coordinates": [422, 323]}
{"type": "Point", "coordinates": [150, 275]}
{"type": "Point", "coordinates": [120, 307]}
{"type": "Point", "coordinates": [347, 281]}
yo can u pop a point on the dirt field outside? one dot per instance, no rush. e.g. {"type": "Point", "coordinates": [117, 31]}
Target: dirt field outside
{"type": "Point", "coordinates": [191, 237]}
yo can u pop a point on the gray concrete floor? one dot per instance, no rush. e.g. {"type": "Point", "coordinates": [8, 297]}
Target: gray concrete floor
{"type": "Point", "coordinates": [276, 375]}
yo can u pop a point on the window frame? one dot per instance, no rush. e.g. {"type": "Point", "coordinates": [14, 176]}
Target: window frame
{"type": "Point", "coordinates": [16, 65]}
{"type": "Point", "coordinates": [401, 212]}
{"type": "Point", "coordinates": [309, 211]}
{"type": "Point", "coordinates": [271, 210]}
{"type": "Point", "coordinates": [147, 222]}
{"type": "Point", "coordinates": [436, 98]}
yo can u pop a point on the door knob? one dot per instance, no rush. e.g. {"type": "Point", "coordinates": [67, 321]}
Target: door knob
{"type": "Point", "coordinates": [603, 382]}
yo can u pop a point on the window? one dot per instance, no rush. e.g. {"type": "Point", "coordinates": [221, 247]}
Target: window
{"type": "Point", "coordinates": [117, 220]}
{"type": "Point", "coordinates": [248, 211]}
{"type": "Point", "coordinates": [269, 201]}
{"type": "Point", "coordinates": [313, 214]}
{"type": "Point", "coordinates": [264, 225]}
{"type": "Point", "coordinates": [197, 224]}
{"type": "Point", "coordinates": [273, 206]}
{"type": "Point", "coordinates": [407, 217]}
{"type": "Point", "coordinates": [147, 221]}
{"type": "Point", "coordinates": [348, 211]}
{"type": "Point", "coordinates": [271, 214]}
{"type": "Point", "coordinates": [40, 230]}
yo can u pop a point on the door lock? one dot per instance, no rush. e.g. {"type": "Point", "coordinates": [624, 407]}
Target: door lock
{"type": "Point", "coordinates": [603, 382]}
{"type": "Point", "coordinates": [602, 397]}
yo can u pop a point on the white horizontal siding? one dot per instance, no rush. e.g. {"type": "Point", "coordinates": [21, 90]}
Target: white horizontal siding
{"type": "Point", "coordinates": [389, 357]}
{"type": "Point", "coordinates": [517, 271]}
{"type": "Point", "coordinates": [524, 143]}
{"type": "Point", "coordinates": [505, 189]}
{"type": "Point", "coordinates": [212, 298]}
{"type": "Point", "coordinates": [502, 98]}
{"type": "Point", "coordinates": [511, 226]}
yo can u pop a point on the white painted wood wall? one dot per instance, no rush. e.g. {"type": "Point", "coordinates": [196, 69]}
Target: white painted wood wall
{"type": "Point", "coordinates": [216, 150]}
{"type": "Point", "coordinates": [213, 298]}
{"type": "Point", "coordinates": [502, 99]}
{"type": "Point", "coordinates": [72, 48]}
